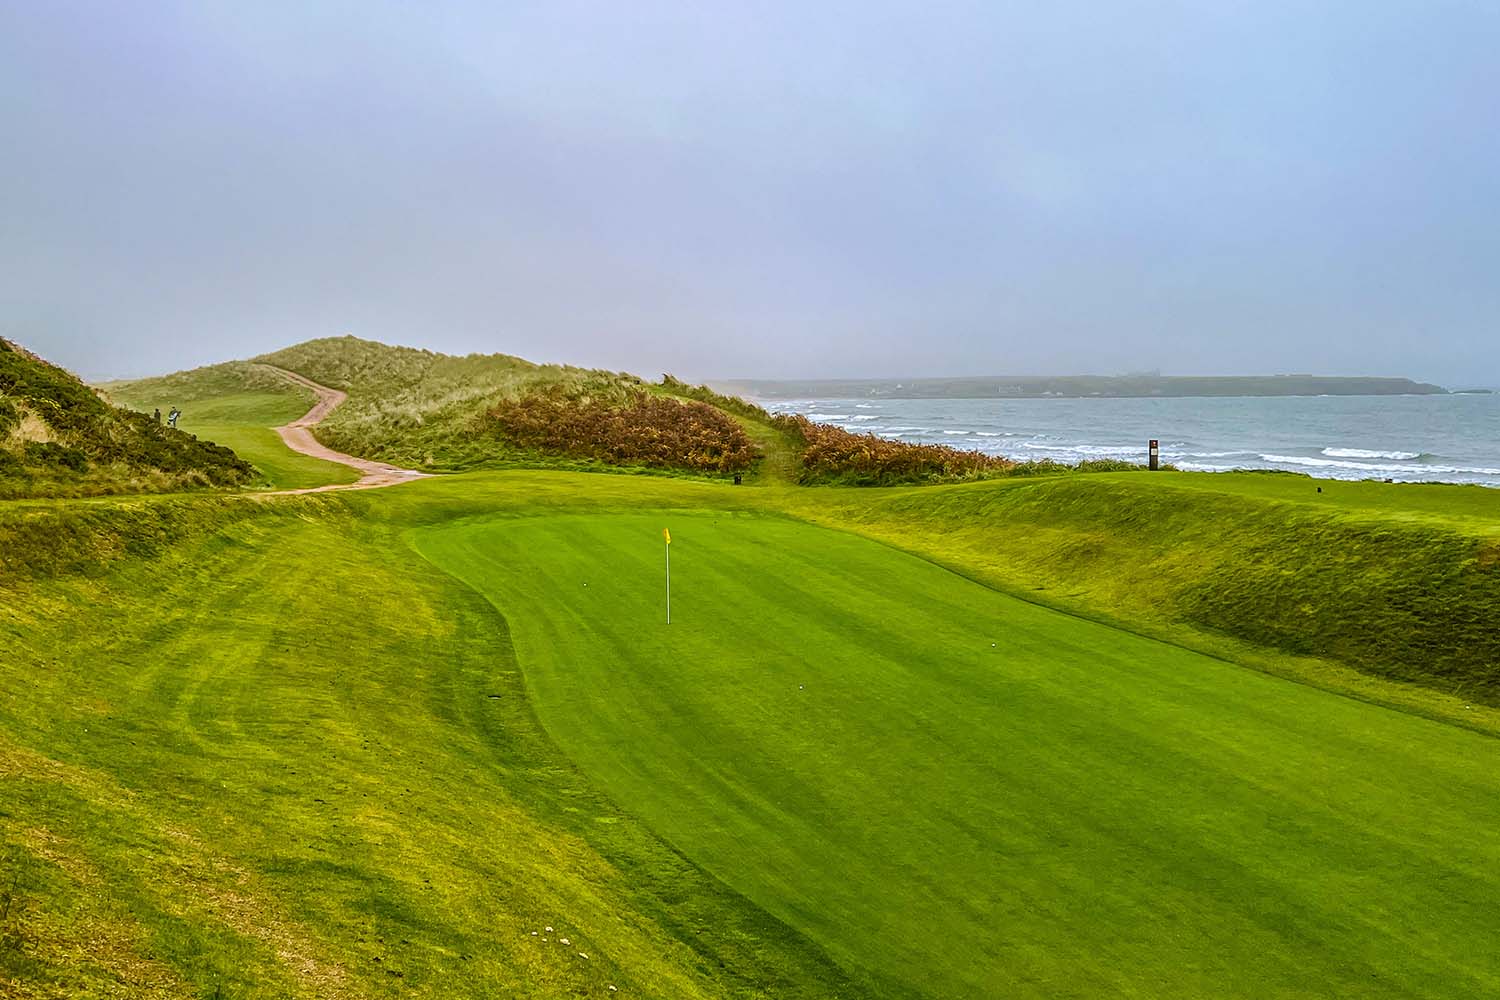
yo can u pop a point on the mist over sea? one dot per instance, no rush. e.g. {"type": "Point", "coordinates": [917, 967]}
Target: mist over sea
{"type": "Point", "coordinates": [1449, 439]}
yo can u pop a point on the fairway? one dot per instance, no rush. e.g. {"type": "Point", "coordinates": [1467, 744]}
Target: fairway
{"type": "Point", "coordinates": [971, 795]}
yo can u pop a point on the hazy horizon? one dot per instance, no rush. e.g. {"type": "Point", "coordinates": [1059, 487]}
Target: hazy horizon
{"type": "Point", "coordinates": [852, 191]}
{"type": "Point", "coordinates": [101, 377]}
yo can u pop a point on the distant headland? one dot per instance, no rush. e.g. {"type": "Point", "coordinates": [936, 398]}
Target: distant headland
{"type": "Point", "coordinates": [1075, 386]}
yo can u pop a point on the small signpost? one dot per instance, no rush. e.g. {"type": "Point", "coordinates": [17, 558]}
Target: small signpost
{"type": "Point", "coordinates": [1154, 451]}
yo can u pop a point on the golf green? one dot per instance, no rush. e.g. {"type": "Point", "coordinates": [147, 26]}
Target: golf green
{"type": "Point", "coordinates": [970, 795]}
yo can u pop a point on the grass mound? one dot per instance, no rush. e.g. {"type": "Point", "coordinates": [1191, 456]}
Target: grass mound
{"type": "Point", "coordinates": [58, 437]}
{"type": "Point", "coordinates": [423, 409]}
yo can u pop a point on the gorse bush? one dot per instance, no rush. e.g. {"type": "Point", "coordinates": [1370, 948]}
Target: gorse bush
{"type": "Point", "coordinates": [833, 455]}
{"type": "Point", "coordinates": [59, 438]}
{"type": "Point", "coordinates": [638, 429]}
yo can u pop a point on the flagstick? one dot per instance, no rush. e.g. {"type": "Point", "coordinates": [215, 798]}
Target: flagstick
{"type": "Point", "coordinates": [669, 582]}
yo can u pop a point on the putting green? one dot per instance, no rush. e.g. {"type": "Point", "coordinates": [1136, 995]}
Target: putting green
{"type": "Point", "coordinates": [974, 796]}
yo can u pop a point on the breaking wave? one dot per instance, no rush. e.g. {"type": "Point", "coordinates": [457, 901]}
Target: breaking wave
{"type": "Point", "coordinates": [1333, 463]}
{"type": "Point", "coordinates": [1400, 456]}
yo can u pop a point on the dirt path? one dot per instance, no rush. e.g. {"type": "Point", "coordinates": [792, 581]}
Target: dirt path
{"type": "Point", "coordinates": [298, 436]}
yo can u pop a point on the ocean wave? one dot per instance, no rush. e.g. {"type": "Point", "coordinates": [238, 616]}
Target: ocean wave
{"type": "Point", "coordinates": [1406, 469]}
{"type": "Point", "coordinates": [828, 416]}
{"type": "Point", "coordinates": [955, 432]}
{"type": "Point", "coordinates": [866, 416]}
{"type": "Point", "coordinates": [1092, 450]}
{"type": "Point", "coordinates": [1366, 453]}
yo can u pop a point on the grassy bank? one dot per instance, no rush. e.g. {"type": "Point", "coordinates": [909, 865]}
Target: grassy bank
{"type": "Point", "coordinates": [1398, 582]}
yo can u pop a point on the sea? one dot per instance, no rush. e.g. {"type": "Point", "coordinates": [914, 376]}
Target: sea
{"type": "Point", "coordinates": [1438, 438]}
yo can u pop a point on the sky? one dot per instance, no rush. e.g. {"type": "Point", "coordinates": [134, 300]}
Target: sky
{"type": "Point", "coordinates": [759, 189]}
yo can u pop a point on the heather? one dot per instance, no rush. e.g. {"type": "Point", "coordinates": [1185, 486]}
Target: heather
{"type": "Point", "coordinates": [643, 429]}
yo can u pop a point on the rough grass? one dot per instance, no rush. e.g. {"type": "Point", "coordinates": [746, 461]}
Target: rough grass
{"type": "Point", "coordinates": [424, 409]}
{"type": "Point", "coordinates": [439, 412]}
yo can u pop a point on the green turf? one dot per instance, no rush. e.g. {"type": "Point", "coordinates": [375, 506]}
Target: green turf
{"type": "Point", "coordinates": [1404, 584]}
{"type": "Point", "coordinates": [262, 447]}
{"type": "Point", "coordinates": [264, 746]}
{"type": "Point", "coordinates": [1073, 811]}
{"type": "Point", "coordinates": [286, 757]}
{"type": "Point", "coordinates": [1472, 507]}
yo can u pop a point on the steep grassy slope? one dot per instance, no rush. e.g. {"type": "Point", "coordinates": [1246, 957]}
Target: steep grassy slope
{"type": "Point", "coordinates": [59, 438]}
{"type": "Point", "coordinates": [1395, 581]}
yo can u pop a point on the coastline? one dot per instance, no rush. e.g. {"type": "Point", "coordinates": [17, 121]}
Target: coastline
{"type": "Point", "coordinates": [1451, 438]}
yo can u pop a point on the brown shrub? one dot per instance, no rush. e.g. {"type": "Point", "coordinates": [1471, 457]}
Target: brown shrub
{"type": "Point", "coordinates": [833, 455]}
{"type": "Point", "coordinates": [643, 429]}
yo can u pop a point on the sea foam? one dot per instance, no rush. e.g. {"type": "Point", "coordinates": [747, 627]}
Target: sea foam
{"type": "Point", "coordinates": [1400, 456]}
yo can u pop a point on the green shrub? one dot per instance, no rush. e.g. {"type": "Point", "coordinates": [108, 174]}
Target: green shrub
{"type": "Point", "coordinates": [52, 453]}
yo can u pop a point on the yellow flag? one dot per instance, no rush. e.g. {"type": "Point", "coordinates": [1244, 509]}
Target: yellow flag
{"type": "Point", "coordinates": [667, 535]}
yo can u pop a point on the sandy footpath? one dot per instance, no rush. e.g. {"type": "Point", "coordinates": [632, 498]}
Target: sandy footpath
{"type": "Point", "coordinates": [298, 436]}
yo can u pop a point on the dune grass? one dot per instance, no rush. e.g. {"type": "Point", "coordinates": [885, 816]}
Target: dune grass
{"type": "Point", "coordinates": [424, 409]}
{"type": "Point", "coordinates": [974, 795]}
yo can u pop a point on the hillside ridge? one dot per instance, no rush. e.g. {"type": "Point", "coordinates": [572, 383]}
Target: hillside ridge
{"type": "Point", "coordinates": [60, 437]}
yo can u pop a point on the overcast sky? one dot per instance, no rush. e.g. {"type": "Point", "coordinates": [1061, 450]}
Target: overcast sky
{"type": "Point", "coordinates": [770, 189]}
